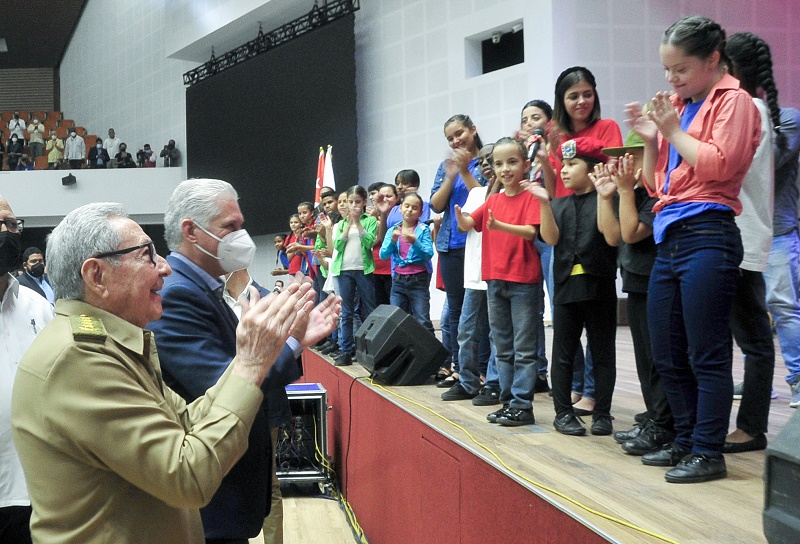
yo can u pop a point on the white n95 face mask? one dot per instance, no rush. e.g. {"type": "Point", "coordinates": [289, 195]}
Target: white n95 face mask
{"type": "Point", "coordinates": [235, 251]}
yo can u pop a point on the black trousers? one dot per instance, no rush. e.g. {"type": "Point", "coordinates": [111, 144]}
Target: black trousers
{"type": "Point", "coordinates": [15, 525]}
{"type": "Point", "coordinates": [600, 320]}
{"type": "Point", "coordinates": [383, 288]}
{"type": "Point", "coordinates": [655, 400]}
{"type": "Point", "coordinates": [751, 330]}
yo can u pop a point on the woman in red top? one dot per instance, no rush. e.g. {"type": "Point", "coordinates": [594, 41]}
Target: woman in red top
{"type": "Point", "coordinates": [576, 114]}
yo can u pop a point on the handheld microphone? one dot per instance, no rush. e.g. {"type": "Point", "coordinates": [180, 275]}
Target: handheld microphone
{"type": "Point", "coordinates": [538, 131]}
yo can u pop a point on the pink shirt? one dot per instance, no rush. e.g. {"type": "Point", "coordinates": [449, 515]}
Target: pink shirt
{"type": "Point", "coordinates": [728, 126]}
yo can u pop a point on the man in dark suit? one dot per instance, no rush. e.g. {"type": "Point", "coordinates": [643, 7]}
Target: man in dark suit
{"type": "Point", "coordinates": [196, 339]}
{"type": "Point", "coordinates": [34, 276]}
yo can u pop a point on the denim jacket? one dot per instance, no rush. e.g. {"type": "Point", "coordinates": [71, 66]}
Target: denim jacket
{"type": "Point", "coordinates": [421, 251]}
{"type": "Point", "coordinates": [448, 236]}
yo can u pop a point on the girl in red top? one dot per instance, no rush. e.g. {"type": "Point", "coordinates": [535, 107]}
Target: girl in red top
{"type": "Point", "coordinates": [699, 143]}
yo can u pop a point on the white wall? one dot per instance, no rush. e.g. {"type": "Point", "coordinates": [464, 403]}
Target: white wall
{"type": "Point", "coordinates": [115, 74]}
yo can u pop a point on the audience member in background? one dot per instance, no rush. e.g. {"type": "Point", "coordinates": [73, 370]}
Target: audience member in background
{"type": "Point", "coordinates": [75, 151]}
{"type": "Point", "coordinates": [15, 147]}
{"type": "Point", "coordinates": [455, 177]}
{"type": "Point", "coordinates": [170, 154]}
{"type": "Point", "coordinates": [112, 146]}
{"type": "Point", "coordinates": [197, 338]}
{"type": "Point", "coordinates": [98, 156]}
{"type": "Point", "coordinates": [584, 237]}
{"type": "Point", "coordinates": [123, 159]}
{"type": "Point", "coordinates": [22, 315]}
{"type": "Point", "coordinates": [34, 276]}
{"type": "Point", "coordinates": [293, 245]}
{"type": "Point", "coordinates": [145, 157]}
{"type": "Point", "coordinates": [17, 126]}
{"type": "Point", "coordinates": [2, 153]}
{"type": "Point", "coordinates": [329, 205]}
{"type": "Point", "coordinates": [410, 248]}
{"type": "Point", "coordinates": [36, 136]}
{"type": "Point", "coordinates": [24, 163]}
{"type": "Point", "coordinates": [55, 150]}
{"type": "Point", "coordinates": [278, 286]}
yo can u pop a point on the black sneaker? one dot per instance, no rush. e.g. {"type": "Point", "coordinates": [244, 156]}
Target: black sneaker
{"type": "Point", "coordinates": [516, 417]}
{"type": "Point", "coordinates": [668, 456]}
{"type": "Point", "coordinates": [568, 424]}
{"type": "Point", "coordinates": [488, 396]}
{"type": "Point", "coordinates": [602, 426]}
{"type": "Point", "coordinates": [344, 359]}
{"type": "Point", "coordinates": [652, 438]}
{"type": "Point", "coordinates": [541, 385]}
{"type": "Point", "coordinates": [330, 348]}
{"type": "Point", "coordinates": [458, 392]}
{"type": "Point", "coordinates": [623, 436]}
{"type": "Point", "coordinates": [494, 416]}
{"type": "Point", "coordinates": [696, 468]}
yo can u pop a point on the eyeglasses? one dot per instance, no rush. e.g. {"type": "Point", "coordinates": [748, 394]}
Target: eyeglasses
{"type": "Point", "coordinates": [13, 225]}
{"type": "Point", "coordinates": [151, 250]}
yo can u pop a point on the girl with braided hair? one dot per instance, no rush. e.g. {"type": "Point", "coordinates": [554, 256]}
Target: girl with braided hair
{"type": "Point", "coordinates": [749, 319]}
{"type": "Point", "coordinates": [752, 64]}
{"type": "Point", "coordinates": [699, 143]}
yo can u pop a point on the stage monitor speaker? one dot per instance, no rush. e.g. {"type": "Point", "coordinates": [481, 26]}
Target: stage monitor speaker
{"type": "Point", "coordinates": [782, 482]}
{"type": "Point", "coordinates": [69, 180]}
{"type": "Point", "coordinates": [396, 349]}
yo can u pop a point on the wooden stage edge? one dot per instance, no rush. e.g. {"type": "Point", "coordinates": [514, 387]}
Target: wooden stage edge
{"type": "Point", "coordinates": [464, 502]}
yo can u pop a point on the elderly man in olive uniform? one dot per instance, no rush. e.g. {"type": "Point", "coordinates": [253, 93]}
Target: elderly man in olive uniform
{"type": "Point", "coordinates": [110, 453]}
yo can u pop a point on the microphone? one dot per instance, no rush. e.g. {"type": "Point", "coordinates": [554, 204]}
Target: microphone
{"type": "Point", "coordinates": [538, 131]}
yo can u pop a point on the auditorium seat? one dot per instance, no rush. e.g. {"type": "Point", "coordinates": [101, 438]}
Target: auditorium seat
{"type": "Point", "coordinates": [24, 115]}
{"type": "Point", "coordinates": [6, 116]}
{"type": "Point", "coordinates": [90, 140]}
{"type": "Point", "coordinates": [41, 162]}
{"type": "Point", "coordinates": [61, 132]}
{"type": "Point", "coordinates": [81, 131]}
{"type": "Point", "coordinates": [55, 115]}
{"type": "Point", "coordinates": [40, 115]}
{"type": "Point", "coordinates": [66, 123]}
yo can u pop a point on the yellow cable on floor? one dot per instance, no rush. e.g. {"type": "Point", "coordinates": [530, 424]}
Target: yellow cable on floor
{"type": "Point", "coordinates": [521, 476]}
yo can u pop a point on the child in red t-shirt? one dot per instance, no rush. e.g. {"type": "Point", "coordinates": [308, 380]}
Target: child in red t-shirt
{"type": "Point", "coordinates": [510, 265]}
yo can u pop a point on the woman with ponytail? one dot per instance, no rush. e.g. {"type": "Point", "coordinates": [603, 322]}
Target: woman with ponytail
{"type": "Point", "coordinates": [752, 64]}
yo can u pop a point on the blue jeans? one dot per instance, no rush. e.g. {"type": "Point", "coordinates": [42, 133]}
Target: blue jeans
{"type": "Point", "coordinates": [411, 293]}
{"type": "Point", "coordinates": [452, 268]}
{"type": "Point", "coordinates": [349, 281]}
{"type": "Point", "coordinates": [444, 325]}
{"type": "Point", "coordinates": [546, 257]}
{"type": "Point", "coordinates": [583, 372]}
{"type": "Point", "coordinates": [512, 318]}
{"type": "Point", "coordinates": [782, 278]}
{"type": "Point", "coordinates": [473, 328]}
{"type": "Point", "coordinates": [689, 311]}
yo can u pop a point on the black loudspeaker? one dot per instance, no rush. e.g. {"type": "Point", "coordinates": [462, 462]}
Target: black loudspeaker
{"type": "Point", "coordinates": [397, 349]}
{"type": "Point", "coordinates": [782, 485]}
{"type": "Point", "coordinates": [69, 180]}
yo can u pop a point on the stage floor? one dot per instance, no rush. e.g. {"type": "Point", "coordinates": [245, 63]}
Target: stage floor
{"type": "Point", "coordinates": [595, 472]}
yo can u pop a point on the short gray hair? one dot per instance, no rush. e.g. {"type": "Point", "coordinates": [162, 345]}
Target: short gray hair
{"type": "Point", "coordinates": [84, 232]}
{"type": "Point", "coordinates": [195, 199]}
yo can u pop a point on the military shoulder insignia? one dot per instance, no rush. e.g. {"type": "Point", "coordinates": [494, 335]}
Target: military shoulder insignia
{"type": "Point", "coordinates": [87, 328]}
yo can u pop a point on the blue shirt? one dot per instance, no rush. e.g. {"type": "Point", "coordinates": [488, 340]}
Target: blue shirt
{"type": "Point", "coordinates": [682, 210]}
{"type": "Point", "coordinates": [46, 288]}
{"type": "Point", "coordinates": [787, 191]}
{"type": "Point", "coordinates": [448, 236]}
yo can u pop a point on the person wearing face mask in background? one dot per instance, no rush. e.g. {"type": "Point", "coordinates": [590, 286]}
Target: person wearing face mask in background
{"type": "Point", "coordinates": [36, 135]}
{"type": "Point", "coordinates": [55, 150]}
{"type": "Point", "coordinates": [23, 314]}
{"type": "Point", "coordinates": [17, 126]}
{"type": "Point", "coordinates": [75, 151]}
{"type": "Point", "coordinates": [123, 159]}
{"type": "Point", "coordinates": [112, 144]}
{"type": "Point", "coordinates": [170, 154]}
{"type": "Point", "coordinates": [34, 276]}
{"type": "Point", "coordinates": [98, 156]}
{"type": "Point", "coordinates": [15, 147]}
{"type": "Point", "coordinates": [196, 338]}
